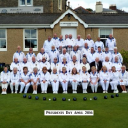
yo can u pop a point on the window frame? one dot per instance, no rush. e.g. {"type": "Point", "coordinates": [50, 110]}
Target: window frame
{"type": "Point", "coordinates": [27, 49]}
{"type": "Point", "coordinates": [25, 4]}
{"type": "Point", "coordinates": [105, 29]}
{"type": "Point", "coordinates": [60, 4]}
{"type": "Point", "coordinates": [4, 49]}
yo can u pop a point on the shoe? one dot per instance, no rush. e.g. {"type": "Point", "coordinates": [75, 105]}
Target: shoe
{"type": "Point", "coordinates": [63, 92]}
{"type": "Point", "coordinates": [103, 91]}
{"type": "Point", "coordinates": [20, 92]}
{"type": "Point", "coordinates": [122, 91]}
{"type": "Point", "coordinates": [45, 92]}
{"type": "Point", "coordinates": [106, 92]}
{"type": "Point", "coordinates": [12, 92]}
{"type": "Point", "coordinates": [75, 92]}
{"type": "Point", "coordinates": [35, 92]}
{"type": "Point", "coordinates": [125, 91]}
{"type": "Point", "coordinates": [42, 92]}
{"type": "Point", "coordinates": [83, 91]}
{"type": "Point", "coordinates": [66, 92]}
{"type": "Point", "coordinates": [86, 91]}
{"type": "Point", "coordinates": [15, 92]}
{"type": "Point", "coordinates": [5, 93]}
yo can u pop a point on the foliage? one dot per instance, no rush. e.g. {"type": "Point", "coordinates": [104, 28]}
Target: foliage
{"type": "Point", "coordinates": [124, 54]}
{"type": "Point", "coordinates": [89, 9]}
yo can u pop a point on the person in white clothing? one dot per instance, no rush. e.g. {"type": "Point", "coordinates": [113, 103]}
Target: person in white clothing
{"type": "Point", "coordinates": [97, 44]}
{"type": "Point", "coordinates": [107, 63]}
{"type": "Point", "coordinates": [66, 55]}
{"type": "Point", "coordinates": [48, 44]}
{"type": "Point", "coordinates": [107, 54]}
{"type": "Point", "coordinates": [99, 54]}
{"type": "Point", "coordinates": [64, 64]}
{"type": "Point", "coordinates": [33, 64]}
{"type": "Point", "coordinates": [14, 80]}
{"type": "Point", "coordinates": [35, 76]}
{"type": "Point", "coordinates": [55, 81]}
{"type": "Point", "coordinates": [89, 41]}
{"type": "Point", "coordinates": [44, 63]}
{"type": "Point", "coordinates": [44, 79]}
{"type": "Point", "coordinates": [104, 79]}
{"type": "Point", "coordinates": [53, 54]}
{"type": "Point", "coordinates": [25, 63]}
{"type": "Point", "coordinates": [70, 42]}
{"type": "Point", "coordinates": [85, 79]}
{"type": "Point", "coordinates": [84, 63]}
{"type": "Point", "coordinates": [79, 42]}
{"type": "Point", "coordinates": [5, 79]}
{"type": "Point", "coordinates": [64, 79]}
{"type": "Point", "coordinates": [61, 43]}
{"type": "Point", "coordinates": [116, 53]}
{"type": "Point", "coordinates": [24, 80]}
{"type": "Point", "coordinates": [91, 56]}
{"type": "Point", "coordinates": [94, 77]}
{"type": "Point", "coordinates": [55, 41]}
{"type": "Point", "coordinates": [123, 77]}
{"type": "Point", "coordinates": [30, 55]}
{"type": "Point", "coordinates": [74, 79]}
{"type": "Point", "coordinates": [111, 43]}
{"type": "Point", "coordinates": [114, 76]}
{"type": "Point", "coordinates": [117, 64]}
{"type": "Point", "coordinates": [42, 54]}
{"type": "Point", "coordinates": [19, 54]}
{"type": "Point", "coordinates": [55, 64]}
{"type": "Point", "coordinates": [15, 63]}
{"type": "Point", "coordinates": [76, 52]}
{"type": "Point", "coordinates": [74, 63]}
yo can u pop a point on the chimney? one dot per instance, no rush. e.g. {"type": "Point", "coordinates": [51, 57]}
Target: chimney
{"type": "Point", "coordinates": [99, 7]}
{"type": "Point", "coordinates": [112, 7]}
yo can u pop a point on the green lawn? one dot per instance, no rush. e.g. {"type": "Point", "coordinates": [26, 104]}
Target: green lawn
{"type": "Point", "coordinates": [18, 112]}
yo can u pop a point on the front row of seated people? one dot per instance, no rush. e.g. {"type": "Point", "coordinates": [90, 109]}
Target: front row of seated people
{"type": "Point", "coordinates": [44, 78]}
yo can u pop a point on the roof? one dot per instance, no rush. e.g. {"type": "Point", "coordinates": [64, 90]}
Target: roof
{"type": "Point", "coordinates": [28, 18]}
{"type": "Point", "coordinates": [81, 9]}
{"type": "Point", "coordinates": [109, 10]}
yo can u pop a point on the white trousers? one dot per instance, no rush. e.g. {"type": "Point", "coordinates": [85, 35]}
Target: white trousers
{"type": "Point", "coordinates": [104, 85]}
{"type": "Point", "coordinates": [94, 87]}
{"type": "Point", "coordinates": [64, 86]}
{"type": "Point", "coordinates": [114, 85]}
{"type": "Point", "coordinates": [4, 86]}
{"type": "Point", "coordinates": [74, 85]}
{"type": "Point", "coordinates": [55, 86]}
{"type": "Point", "coordinates": [22, 85]}
{"type": "Point", "coordinates": [84, 85]}
{"type": "Point", "coordinates": [44, 86]}
{"type": "Point", "coordinates": [16, 86]}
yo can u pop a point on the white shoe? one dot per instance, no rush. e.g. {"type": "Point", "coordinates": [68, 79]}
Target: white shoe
{"type": "Point", "coordinates": [125, 91]}
{"type": "Point", "coordinates": [5, 93]}
{"type": "Point", "coordinates": [12, 92]}
{"type": "Point", "coordinates": [15, 92]}
{"type": "Point", "coordinates": [103, 91]}
{"type": "Point", "coordinates": [66, 92]}
{"type": "Point", "coordinates": [35, 92]}
{"type": "Point", "coordinates": [106, 92]}
{"type": "Point", "coordinates": [20, 92]}
{"type": "Point", "coordinates": [75, 92]}
{"type": "Point", "coordinates": [63, 92]}
{"type": "Point", "coordinates": [45, 92]}
{"type": "Point", "coordinates": [83, 91]}
{"type": "Point", "coordinates": [86, 91]}
{"type": "Point", "coordinates": [42, 92]}
{"type": "Point", "coordinates": [122, 91]}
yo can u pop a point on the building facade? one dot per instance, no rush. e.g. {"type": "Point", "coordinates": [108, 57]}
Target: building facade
{"type": "Point", "coordinates": [32, 29]}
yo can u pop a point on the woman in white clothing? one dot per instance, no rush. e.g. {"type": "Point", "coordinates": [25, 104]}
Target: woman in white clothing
{"type": "Point", "coordinates": [24, 80]}
{"type": "Point", "coordinates": [64, 78]}
{"type": "Point", "coordinates": [5, 79]}
{"type": "Point", "coordinates": [74, 79]}
{"type": "Point", "coordinates": [35, 76]}
{"type": "Point", "coordinates": [104, 79]}
{"type": "Point", "coordinates": [44, 79]}
{"type": "Point", "coordinates": [94, 77]}
{"type": "Point", "coordinates": [55, 80]}
{"type": "Point", "coordinates": [114, 79]}
{"type": "Point", "coordinates": [85, 79]}
{"type": "Point", "coordinates": [84, 63]}
{"type": "Point", "coordinates": [123, 77]}
{"type": "Point", "coordinates": [14, 80]}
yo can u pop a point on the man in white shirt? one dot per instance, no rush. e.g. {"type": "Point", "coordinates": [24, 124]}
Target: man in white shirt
{"type": "Point", "coordinates": [47, 44]}
{"type": "Point", "coordinates": [111, 43]}
{"type": "Point", "coordinates": [99, 54]}
{"type": "Point", "coordinates": [70, 42]}
{"type": "Point", "coordinates": [66, 55]}
{"type": "Point", "coordinates": [42, 54]}
{"type": "Point", "coordinates": [79, 42]}
{"type": "Point", "coordinates": [15, 63]}
{"type": "Point", "coordinates": [30, 55]}
{"type": "Point", "coordinates": [89, 41]}
{"type": "Point", "coordinates": [91, 56]}
{"type": "Point", "coordinates": [19, 54]}
{"type": "Point", "coordinates": [97, 44]}
{"type": "Point", "coordinates": [55, 41]}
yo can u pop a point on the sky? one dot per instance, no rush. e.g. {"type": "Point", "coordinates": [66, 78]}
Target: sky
{"type": "Point", "coordinates": [121, 4]}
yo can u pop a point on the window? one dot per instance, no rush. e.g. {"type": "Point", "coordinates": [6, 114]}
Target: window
{"type": "Point", "coordinates": [104, 34]}
{"type": "Point", "coordinates": [25, 2]}
{"type": "Point", "coordinates": [3, 40]}
{"type": "Point", "coordinates": [60, 4]}
{"type": "Point", "coordinates": [30, 39]}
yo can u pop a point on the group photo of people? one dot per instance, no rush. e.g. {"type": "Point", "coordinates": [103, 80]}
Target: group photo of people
{"type": "Point", "coordinates": [66, 61]}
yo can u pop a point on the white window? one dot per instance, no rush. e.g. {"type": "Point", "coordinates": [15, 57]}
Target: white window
{"type": "Point", "coordinates": [30, 39]}
{"type": "Point", "coordinates": [3, 40]}
{"type": "Point", "coordinates": [25, 2]}
{"type": "Point", "coordinates": [60, 4]}
{"type": "Point", "coordinates": [104, 34]}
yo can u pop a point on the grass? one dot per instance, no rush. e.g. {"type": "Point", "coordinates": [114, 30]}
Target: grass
{"type": "Point", "coordinates": [18, 112]}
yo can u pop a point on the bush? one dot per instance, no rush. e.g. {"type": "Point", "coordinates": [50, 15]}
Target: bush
{"type": "Point", "coordinates": [124, 54]}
